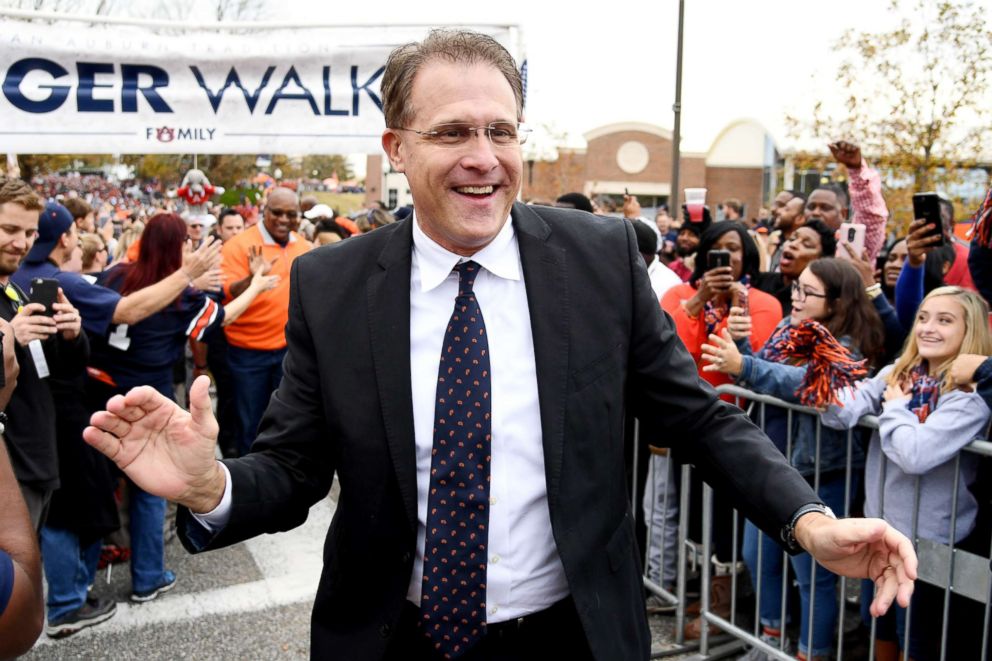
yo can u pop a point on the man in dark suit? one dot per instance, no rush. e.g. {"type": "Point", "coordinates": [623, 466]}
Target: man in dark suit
{"type": "Point", "coordinates": [465, 377]}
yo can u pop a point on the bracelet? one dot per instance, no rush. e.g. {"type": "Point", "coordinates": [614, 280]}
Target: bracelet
{"type": "Point", "coordinates": [874, 290]}
{"type": "Point", "coordinates": [788, 533]}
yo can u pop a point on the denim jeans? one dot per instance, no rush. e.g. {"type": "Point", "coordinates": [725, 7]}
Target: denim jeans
{"type": "Point", "coordinates": [147, 520]}
{"type": "Point", "coordinates": [69, 569]}
{"type": "Point", "coordinates": [661, 515]}
{"type": "Point", "coordinates": [256, 375]}
{"type": "Point", "coordinates": [825, 609]}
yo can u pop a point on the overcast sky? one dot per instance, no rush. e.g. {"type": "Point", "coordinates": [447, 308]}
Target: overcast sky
{"type": "Point", "coordinates": [597, 63]}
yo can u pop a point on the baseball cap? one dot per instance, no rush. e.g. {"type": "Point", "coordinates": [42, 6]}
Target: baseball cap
{"type": "Point", "coordinates": [55, 221]}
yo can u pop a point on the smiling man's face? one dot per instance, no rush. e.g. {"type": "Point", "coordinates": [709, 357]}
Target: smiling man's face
{"type": "Point", "coordinates": [462, 194]}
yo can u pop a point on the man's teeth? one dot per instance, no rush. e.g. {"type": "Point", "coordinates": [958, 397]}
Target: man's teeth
{"type": "Point", "coordinates": [475, 190]}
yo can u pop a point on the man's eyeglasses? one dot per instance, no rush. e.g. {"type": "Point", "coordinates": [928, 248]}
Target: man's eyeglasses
{"type": "Point", "coordinates": [500, 134]}
{"type": "Point", "coordinates": [801, 294]}
{"type": "Point", "coordinates": [291, 214]}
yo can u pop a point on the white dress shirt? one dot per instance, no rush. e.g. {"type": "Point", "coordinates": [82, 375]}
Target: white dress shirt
{"type": "Point", "coordinates": [524, 572]}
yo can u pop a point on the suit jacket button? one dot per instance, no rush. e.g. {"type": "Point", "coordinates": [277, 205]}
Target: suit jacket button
{"type": "Point", "coordinates": [385, 630]}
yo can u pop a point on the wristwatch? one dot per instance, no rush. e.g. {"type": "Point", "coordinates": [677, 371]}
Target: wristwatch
{"type": "Point", "coordinates": [3, 422]}
{"type": "Point", "coordinates": [789, 531]}
{"type": "Point", "coordinates": [873, 291]}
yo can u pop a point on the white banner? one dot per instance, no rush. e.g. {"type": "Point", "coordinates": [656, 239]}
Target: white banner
{"type": "Point", "coordinates": [76, 88]}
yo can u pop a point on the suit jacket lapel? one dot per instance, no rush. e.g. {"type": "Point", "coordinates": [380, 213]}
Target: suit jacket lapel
{"type": "Point", "coordinates": [389, 329]}
{"type": "Point", "coordinates": [547, 299]}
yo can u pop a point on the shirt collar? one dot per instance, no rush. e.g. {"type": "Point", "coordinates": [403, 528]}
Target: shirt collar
{"type": "Point", "coordinates": [267, 238]}
{"type": "Point", "coordinates": [501, 257]}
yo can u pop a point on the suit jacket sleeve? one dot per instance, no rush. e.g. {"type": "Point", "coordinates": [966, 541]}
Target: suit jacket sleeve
{"type": "Point", "coordinates": [729, 451]}
{"type": "Point", "coordinates": [291, 464]}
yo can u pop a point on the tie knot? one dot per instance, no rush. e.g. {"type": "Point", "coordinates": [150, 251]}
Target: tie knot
{"type": "Point", "coordinates": [467, 272]}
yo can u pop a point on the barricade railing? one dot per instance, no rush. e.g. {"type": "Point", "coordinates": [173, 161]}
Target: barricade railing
{"type": "Point", "coordinates": [959, 573]}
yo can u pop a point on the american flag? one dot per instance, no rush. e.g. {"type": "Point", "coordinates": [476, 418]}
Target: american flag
{"type": "Point", "coordinates": [523, 79]}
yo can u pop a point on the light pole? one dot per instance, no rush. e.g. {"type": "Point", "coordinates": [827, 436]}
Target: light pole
{"type": "Point", "coordinates": [673, 198]}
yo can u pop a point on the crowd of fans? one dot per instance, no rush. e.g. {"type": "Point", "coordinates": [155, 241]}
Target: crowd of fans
{"type": "Point", "coordinates": [788, 308]}
{"type": "Point", "coordinates": [153, 293]}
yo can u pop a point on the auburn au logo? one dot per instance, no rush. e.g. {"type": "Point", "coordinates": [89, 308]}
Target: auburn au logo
{"type": "Point", "coordinates": [165, 134]}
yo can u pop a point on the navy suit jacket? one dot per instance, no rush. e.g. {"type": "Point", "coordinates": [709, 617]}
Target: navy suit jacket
{"type": "Point", "coordinates": [602, 345]}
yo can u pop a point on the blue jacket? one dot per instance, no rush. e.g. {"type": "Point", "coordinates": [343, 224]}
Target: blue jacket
{"type": "Point", "coordinates": [782, 380]}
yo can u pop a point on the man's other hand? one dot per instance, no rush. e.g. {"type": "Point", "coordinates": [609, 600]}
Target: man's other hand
{"type": "Point", "coordinates": [862, 548]}
{"type": "Point", "coordinates": [164, 449]}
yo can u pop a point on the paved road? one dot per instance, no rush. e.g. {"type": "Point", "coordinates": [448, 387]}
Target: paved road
{"type": "Point", "coordinates": [250, 601]}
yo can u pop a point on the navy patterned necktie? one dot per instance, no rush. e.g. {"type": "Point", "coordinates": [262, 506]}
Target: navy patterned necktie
{"type": "Point", "coordinates": [453, 596]}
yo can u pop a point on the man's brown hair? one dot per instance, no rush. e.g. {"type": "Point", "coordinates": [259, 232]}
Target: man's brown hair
{"type": "Point", "coordinates": [79, 208]}
{"type": "Point", "coordinates": [454, 46]}
{"type": "Point", "coordinates": [17, 191]}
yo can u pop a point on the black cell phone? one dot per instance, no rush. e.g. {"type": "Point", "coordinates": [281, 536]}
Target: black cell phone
{"type": "Point", "coordinates": [717, 258]}
{"type": "Point", "coordinates": [46, 292]}
{"type": "Point", "coordinates": [927, 207]}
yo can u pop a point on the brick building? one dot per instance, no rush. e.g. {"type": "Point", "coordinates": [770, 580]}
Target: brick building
{"type": "Point", "coordinates": [637, 157]}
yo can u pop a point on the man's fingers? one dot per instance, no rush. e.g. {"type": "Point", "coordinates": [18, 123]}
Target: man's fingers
{"type": "Point", "coordinates": [886, 588]}
{"type": "Point", "coordinates": [199, 400]}
{"type": "Point", "coordinates": [137, 403]}
{"type": "Point", "coordinates": [110, 423]}
{"type": "Point", "coordinates": [102, 441]}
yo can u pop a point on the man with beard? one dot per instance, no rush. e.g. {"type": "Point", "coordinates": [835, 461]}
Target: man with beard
{"type": "Point", "coordinates": [30, 430]}
{"type": "Point", "coordinates": [829, 202]}
{"type": "Point", "coordinates": [787, 218]}
{"type": "Point", "coordinates": [686, 243]}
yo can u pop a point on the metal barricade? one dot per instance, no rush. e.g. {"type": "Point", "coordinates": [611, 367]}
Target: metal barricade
{"type": "Point", "coordinates": [959, 573]}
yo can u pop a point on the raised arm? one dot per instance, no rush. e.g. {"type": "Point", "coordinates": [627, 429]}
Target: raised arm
{"type": "Point", "coordinates": [865, 186]}
{"type": "Point", "coordinates": [145, 302]}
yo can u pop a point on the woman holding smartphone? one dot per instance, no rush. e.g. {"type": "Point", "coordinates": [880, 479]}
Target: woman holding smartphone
{"type": "Point", "coordinates": [726, 262]}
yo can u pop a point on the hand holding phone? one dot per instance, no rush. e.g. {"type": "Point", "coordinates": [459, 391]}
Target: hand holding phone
{"type": "Point", "coordinates": [46, 292]}
{"type": "Point", "coordinates": [852, 235]}
{"type": "Point", "coordinates": [717, 258]}
{"type": "Point", "coordinates": [926, 206]}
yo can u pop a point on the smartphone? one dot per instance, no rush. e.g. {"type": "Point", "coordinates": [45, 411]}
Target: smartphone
{"type": "Point", "coordinates": [853, 234]}
{"type": "Point", "coordinates": [927, 207]}
{"type": "Point", "coordinates": [717, 258]}
{"type": "Point", "coordinates": [46, 292]}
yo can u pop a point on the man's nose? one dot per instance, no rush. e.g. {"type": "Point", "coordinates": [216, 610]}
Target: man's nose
{"type": "Point", "coordinates": [480, 152]}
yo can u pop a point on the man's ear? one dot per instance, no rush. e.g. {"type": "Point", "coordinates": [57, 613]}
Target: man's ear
{"type": "Point", "coordinates": [392, 144]}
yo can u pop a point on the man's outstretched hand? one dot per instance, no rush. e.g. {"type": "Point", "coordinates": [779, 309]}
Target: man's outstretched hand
{"type": "Point", "coordinates": [862, 548]}
{"type": "Point", "coordinates": [164, 449]}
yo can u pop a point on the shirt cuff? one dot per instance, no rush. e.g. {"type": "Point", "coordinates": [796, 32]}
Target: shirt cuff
{"type": "Point", "coordinates": [217, 518]}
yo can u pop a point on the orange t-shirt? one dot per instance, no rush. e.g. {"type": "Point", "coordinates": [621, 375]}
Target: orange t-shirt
{"type": "Point", "coordinates": [263, 324]}
{"type": "Point", "coordinates": [765, 311]}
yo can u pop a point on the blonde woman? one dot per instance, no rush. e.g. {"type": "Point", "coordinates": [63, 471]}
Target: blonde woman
{"type": "Point", "coordinates": [924, 420]}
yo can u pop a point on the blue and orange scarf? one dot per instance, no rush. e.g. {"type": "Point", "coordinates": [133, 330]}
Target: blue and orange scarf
{"type": "Point", "coordinates": [982, 229]}
{"type": "Point", "coordinates": [830, 366]}
{"type": "Point", "coordinates": [925, 392]}
{"type": "Point", "coordinates": [713, 315]}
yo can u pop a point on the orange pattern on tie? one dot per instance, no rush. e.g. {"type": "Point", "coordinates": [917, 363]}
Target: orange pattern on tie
{"type": "Point", "coordinates": [453, 594]}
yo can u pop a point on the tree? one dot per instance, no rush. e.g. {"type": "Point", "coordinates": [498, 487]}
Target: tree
{"type": "Point", "coordinates": [915, 97]}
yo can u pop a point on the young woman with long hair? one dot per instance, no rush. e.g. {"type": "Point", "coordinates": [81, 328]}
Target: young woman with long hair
{"type": "Point", "coordinates": [926, 415]}
{"type": "Point", "coordinates": [813, 351]}
{"type": "Point", "coordinates": [143, 354]}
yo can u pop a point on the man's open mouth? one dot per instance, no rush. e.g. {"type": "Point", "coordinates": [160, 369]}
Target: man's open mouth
{"type": "Point", "coordinates": [476, 191]}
